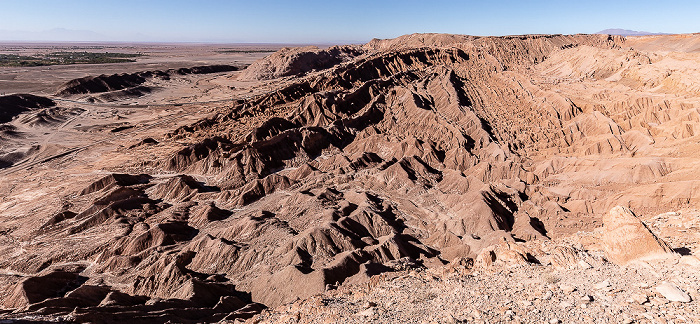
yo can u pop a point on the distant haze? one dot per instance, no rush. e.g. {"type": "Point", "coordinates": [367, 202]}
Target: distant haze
{"type": "Point", "coordinates": [316, 21]}
{"type": "Point", "coordinates": [627, 32]}
{"type": "Point", "coordinates": [56, 34]}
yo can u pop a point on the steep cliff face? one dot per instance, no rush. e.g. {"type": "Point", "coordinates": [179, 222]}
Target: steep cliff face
{"type": "Point", "coordinates": [414, 151]}
{"type": "Point", "coordinates": [299, 60]}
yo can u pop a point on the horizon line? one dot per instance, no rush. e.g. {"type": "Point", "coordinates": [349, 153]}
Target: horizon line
{"type": "Point", "coordinates": [353, 42]}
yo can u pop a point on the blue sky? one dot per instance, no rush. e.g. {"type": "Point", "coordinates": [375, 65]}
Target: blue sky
{"type": "Point", "coordinates": [312, 21]}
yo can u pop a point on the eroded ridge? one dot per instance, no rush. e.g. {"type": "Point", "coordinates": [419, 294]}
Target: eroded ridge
{"type": "Point", "coordinates": [423, 151]}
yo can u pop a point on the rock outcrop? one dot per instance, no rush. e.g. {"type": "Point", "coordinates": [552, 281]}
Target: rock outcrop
{"type": "Point", "coordinates": [297, 61]}
{"type": "Point", "coordinates": [14, 105]}
{"type": "Point", "coordinates": [626, 238]}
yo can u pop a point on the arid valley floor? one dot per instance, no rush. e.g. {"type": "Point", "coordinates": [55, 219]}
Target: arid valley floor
{"type": "Point", "coordinates": [430, 178]}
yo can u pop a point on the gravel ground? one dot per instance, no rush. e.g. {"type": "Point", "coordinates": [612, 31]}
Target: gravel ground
{"type": "Point", "coordinates": [588, 290]}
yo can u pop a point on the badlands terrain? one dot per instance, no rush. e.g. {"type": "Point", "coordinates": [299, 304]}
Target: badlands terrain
{"type": "Point", "coordinates": [429, 178]}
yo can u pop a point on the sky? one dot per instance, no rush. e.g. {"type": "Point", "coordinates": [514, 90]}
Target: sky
{"type": "Point", "coordinates": [312, 21]}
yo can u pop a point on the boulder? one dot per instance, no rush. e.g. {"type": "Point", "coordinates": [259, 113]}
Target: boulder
{"type": "Point", "coordinates": [626, 238]}
{"type": "Point", "coordinates": [672, 293]}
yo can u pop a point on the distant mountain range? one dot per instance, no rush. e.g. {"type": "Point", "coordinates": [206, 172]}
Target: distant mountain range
{"type": "Point", "coordinates": [58, 34]}
{"type": "Point", "coordinates": [65, 35]}
{"type": "Point", "coordinates": [627, 32]}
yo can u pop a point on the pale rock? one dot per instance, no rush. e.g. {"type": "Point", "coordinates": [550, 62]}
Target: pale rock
{"type": "Point", "coordinates": [626, 238]}
{"type": "Point", "coordinates": [672, 293]}
{"type": "Point", "coordinates": [564, 257]}
{"type": "Point", "coordinates": [369, 312]}
{"type": "Point", "coordinates": [602, 285]}
{"type": "Point", "coordinates": [449, 319]}
{"type": "Point", "coordinates": [508, 253]}
{"type": "Point", "coordinates": [547, 295]}
{"type": "Point", "coordinates": [638, 299]}
{"type": "Point", "coordinates": [567, 289]}
{"type": "Point", "coordinates": [584, 265]}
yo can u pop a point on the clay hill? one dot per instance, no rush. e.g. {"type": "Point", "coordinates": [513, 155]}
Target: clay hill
{"type": "Point", "coordinates": [332, 181]}
{"type": "Point", "coordinates": [119, 86]}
